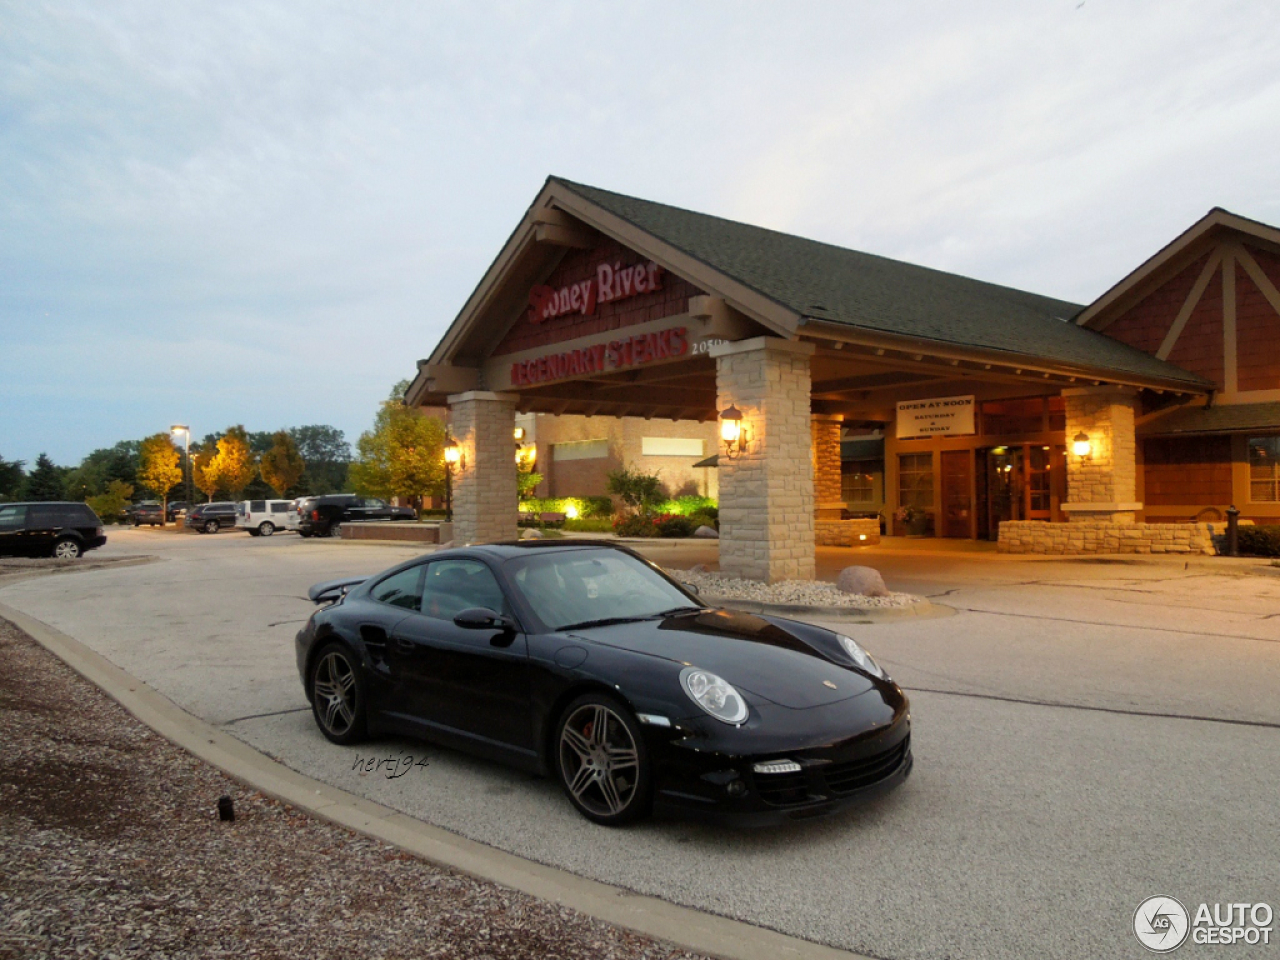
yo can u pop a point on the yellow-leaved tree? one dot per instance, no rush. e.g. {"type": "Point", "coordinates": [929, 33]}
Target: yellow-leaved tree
{"type": "Point", "coordinates": [403, 455]}
{"type": "Point", "coordinates": [160, 466]}
{"type": "Point", "coordinates": [281, 466]}
{"type": "Point", "coordinates": [233, 465]}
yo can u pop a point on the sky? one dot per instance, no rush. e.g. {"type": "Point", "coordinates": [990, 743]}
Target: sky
{"type": "Point", "coordinates": [265, 213]}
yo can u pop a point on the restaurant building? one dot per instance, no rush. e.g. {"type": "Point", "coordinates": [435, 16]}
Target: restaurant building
{"type": "Point", "coordinates": [833, 384]}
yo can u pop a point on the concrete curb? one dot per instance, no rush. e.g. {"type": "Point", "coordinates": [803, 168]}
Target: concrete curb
{"type": "Point", "coordinates": [682, 926]}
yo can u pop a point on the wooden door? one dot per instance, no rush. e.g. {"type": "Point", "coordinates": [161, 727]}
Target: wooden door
{"type": "Point", "coordinates": [957, 493]}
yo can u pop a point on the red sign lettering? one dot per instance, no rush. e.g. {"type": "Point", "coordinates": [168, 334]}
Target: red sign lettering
{"type": "Point", "coordinates": [611, 282]}
{"type": "Point", "coordinates": [615, 355]}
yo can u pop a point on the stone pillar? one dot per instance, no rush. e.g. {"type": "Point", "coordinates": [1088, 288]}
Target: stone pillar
{"type": "Point", "coordinates": [1102, 485]}
{"type": "Point", "coordinates": [828, 503]}
{"type": "Point", "coordinates": [766, 492]}
{"type": "Point", "coordinates": [484, 481]}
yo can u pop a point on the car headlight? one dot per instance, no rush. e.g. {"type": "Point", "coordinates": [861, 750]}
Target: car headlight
{"type": "Point", "coordinates": [713, 695]}
{"type": "Point", "coordinates": [861, 657]}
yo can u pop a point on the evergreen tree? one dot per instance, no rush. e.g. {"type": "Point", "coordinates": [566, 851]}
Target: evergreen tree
{"type": "Point", "coordinates": [45, 481]}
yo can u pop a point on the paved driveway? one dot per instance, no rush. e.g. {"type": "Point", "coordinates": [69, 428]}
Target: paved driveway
{"type": "Point", "coordinates": [1087, 735]}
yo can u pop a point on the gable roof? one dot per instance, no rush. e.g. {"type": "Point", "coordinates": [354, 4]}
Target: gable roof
{"type": "Point", "coordinates": [1170, 258]}
{"type": "Point", "coordinates": [819, 281]}
{"type": "Point", "coordinates": [786, 283]}
{"type": "Point", "coordinates": [1220, 418]}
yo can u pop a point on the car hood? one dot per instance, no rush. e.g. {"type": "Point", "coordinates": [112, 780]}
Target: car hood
{"type": "Point", "coordinates": [754, 655]}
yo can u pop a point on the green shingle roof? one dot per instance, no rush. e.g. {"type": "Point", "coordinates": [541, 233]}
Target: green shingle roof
{"type": "Point", "coordinates": [872, 293]}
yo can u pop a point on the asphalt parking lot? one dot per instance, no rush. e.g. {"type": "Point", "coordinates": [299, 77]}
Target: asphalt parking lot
{"type": "Point", "coordinates": [1087, 735]}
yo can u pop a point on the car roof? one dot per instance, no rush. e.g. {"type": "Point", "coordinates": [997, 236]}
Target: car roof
{"type": "Point", "coordinates": [507, 549]}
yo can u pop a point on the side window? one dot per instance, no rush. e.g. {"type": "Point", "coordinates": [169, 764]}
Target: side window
{"type": "Point", "coordinates": [279, 508]}
{"type": "Point", "coordinates": [452, 586]}
{"type": "Point", "coordinates": [44, 516]}
{"type": "Point", "coordinates": [82, 516]}
{"type": "Point", "coordinates": [12, 518]}
{"type": "Point", "coordinates": [373, 502]}
{"type": "Point", "coordinates": [403, 589]}
{"type": "Point", "coordinates": [257, 506]}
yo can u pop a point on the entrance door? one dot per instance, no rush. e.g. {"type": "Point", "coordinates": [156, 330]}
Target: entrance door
{"type": "Point", "coordinates": [957, 493]}
{"type": "Point", "coordinates": [1003, 472]}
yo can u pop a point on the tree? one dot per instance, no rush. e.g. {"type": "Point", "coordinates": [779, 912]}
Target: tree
{"type": "Point", "coordinates": [45, 481]}
{"type": "Point", "coordinates": [204, 472]}
{"type": "Point", "coordinates": [161, 466]}
{"type": "Point", "coordinates": [636, 489]}
{"type": "Point", "coordinates": [99, 468]}
{"type": "Point", "coordinates": [402, 456]}
{"type": "Point", "coordinates": [11, 478]}
{"type": "Point", "coordinates": [110, 504]}
{"type": "Point", "coordinates": [281, 466]}
{"type": "Point", "coordinates": [233, 465]}
{"type": "Point", "coordinates": [327, 455]}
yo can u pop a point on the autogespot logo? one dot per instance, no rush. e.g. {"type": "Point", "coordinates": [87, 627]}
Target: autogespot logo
{"type": "Point", "coordinates": [1161, 924]}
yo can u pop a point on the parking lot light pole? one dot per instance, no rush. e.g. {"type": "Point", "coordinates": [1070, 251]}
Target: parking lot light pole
{"type": "Point", "coordinates": [186, 445]}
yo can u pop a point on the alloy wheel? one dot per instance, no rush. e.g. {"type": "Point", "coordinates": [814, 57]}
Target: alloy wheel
{"type": "Point", "coordinates": [600, 762]}
{"type": "Point", "coordinates": [335, 693]}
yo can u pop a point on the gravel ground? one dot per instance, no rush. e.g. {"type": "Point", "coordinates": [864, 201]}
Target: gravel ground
{"type": "Point", "coordinates": [111, 847]}
{"type": "Point", "coordinates": [816, 593]}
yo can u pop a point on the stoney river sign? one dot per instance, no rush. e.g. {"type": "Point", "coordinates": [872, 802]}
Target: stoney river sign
{"type": "Point", "coordinates": [938, 417]}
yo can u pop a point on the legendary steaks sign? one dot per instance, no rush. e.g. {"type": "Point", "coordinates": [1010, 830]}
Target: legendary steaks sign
{"type": "Point", "coordinates": [611, 282]}
{"type": "Point", "coordinates": [602, 357]}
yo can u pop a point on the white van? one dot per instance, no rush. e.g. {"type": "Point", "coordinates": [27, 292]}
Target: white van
{"type": "Point", "coordinates": [262, 518]}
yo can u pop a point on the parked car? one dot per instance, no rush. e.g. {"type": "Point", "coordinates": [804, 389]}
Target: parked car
{"type": "Point", "coordinates": [262, 518]}
{"type": "Point", "coordinates": [584, 661]}
{"type": "Point", "coordinates": [151, 514]}
{"type": "Point", "coordinates": [176, 508]}
{"type": "Point", "coordinates": [62, 530]}
{"type": "Point", "coordinates": [212, 517]}
{"type": "Point", "coordinates": [324, 516]}
{"type": "Point", "coordinates": [133, 508]}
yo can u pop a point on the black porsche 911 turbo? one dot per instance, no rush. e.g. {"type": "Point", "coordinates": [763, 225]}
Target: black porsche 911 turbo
{"type": "Point", "coordinates": [584, 661]}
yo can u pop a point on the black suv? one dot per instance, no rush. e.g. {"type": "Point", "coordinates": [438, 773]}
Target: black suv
{"type": "Point", "coordinates": [150, 513]}
{"type": "Point", "coordinates": [62, 530]}
{"type": "Point", "coordinates": [212, 517]}
{"type": "Point", "coordinates": [324, 516]}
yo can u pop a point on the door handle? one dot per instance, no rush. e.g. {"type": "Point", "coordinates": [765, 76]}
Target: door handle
{"type": "Point", "coordinates": [404, 645]}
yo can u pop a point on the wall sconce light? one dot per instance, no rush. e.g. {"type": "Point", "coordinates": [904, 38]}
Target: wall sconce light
{"type": "Point", "coordinates": [732, 432]}
{"type": "Point", "coordinates": [519, 434]}
{"type": "Point", "coordinates": [1081, 446]}
{"type": "Point", "coordinates": [452, 454]}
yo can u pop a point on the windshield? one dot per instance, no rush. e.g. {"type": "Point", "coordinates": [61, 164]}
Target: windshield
{"type": "Point", "coordinates": [580, 588]}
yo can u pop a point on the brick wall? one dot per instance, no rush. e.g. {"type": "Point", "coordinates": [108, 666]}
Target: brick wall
{"type": "Point", "coordinates": [847, 533]}
{"type": "Point", "coordinates": [1110, 473]}
{"type": "Point", "coordinates": [1099, 536]}
{"type": "Point", "coordinates": [1179, 470]}
{"type": "Point", "coordinates": [484, 484]}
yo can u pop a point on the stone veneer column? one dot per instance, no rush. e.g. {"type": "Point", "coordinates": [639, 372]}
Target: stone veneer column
{"type": "Point", "coordinates": [1104, 484]}
{"type": "Point", "coordinates": [766, 493]}
{"type": "Point", "coordinates": [484, 482]}
{"type": "Point", "coordinates": [828, 502]}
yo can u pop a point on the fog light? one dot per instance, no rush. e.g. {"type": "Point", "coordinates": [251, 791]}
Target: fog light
{"type": "Point", "coordinates": [737, 788]}
{"type": "Point", "coordinates": [777, 766]}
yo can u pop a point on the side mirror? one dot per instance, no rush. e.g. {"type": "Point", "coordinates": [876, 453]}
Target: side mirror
{"type": "Point", "coordinates": [481, 618]}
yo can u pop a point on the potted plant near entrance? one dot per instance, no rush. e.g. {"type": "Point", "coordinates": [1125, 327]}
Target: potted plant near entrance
{"type": "Point", "coordinates": [915, 520]}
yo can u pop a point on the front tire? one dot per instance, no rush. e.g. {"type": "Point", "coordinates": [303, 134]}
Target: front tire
{"type": "Point", "coordinates": [338, 695]}
{"type": "Point", "coordinates": [67, 549]}
{"type": "Point", "coordinates": [212, 526]}
{"type": "Point", "coordinates": [266, 528]}
{"type": "Point", "coordinates": [601, 761]}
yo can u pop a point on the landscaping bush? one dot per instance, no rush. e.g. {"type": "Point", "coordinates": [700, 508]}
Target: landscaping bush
{"type": "Point", "coordinates": [636, 489]}
{"type": "Point", "coordinates": [673, 525]}
{"type": "Point", "coordinates": [598, 506]}
{"type": "Point", "coordinates": [1260, 541]}
{"type": "Point", "coordinates": [687, 506]}
{"type": "Point", "coordinates": [704, 519]}
{"type": "Point", "coordinates": [635, 525]}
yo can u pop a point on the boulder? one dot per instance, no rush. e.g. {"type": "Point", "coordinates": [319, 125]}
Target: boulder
{"type": "Point", "coordinates": [707, 533]}
{"type": "Point", "coordinates": [531, 534]}
{"type": "Point", "coordinates": [864, 581]}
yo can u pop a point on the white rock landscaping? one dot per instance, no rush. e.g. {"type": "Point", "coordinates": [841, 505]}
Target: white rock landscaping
{"type": "Point", "coordinates": [814, 593]}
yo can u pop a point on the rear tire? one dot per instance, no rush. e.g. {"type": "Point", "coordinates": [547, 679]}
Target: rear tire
{"type": "Point", "coordinates": [338, 695]}
{"type": "Point", "coordinates": [67, 549]}
{"type": "Point", "coordinates": [335, 528]}
{"type": "Point", "coordinates": [212, 526]}
{"type": "Point", "coordinates": [266, 528]}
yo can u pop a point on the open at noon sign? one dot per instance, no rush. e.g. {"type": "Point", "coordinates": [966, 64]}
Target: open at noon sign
{"type": "Point", "coordinates": [939, 417]}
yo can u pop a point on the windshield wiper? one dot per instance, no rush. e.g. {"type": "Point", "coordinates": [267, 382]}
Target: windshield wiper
{"type": "Point", "coordinates": [674, 611]}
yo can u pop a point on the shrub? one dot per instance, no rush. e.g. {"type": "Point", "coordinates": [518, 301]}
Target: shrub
{"type": "Point", "coordinates": [705, 520]}
{"type": "Point", "coordinates": [687, 506]}
{"type": "Point", "coordinates": [673, 525]}
{"type": "Point", "coordinates": [636, 489]}
{"type": "Point", "coordinates": [598, 506]}
{"type": "Point", "coordinates": [1260, 541]}
{"type": "Point", "coordinates": [635, 525]}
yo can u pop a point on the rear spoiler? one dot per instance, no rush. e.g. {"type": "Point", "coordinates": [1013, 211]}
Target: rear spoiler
{"type": "Point", "coordinates": [330, 591]}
